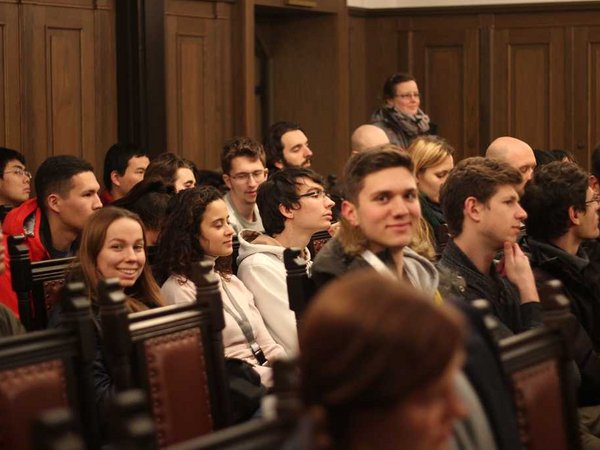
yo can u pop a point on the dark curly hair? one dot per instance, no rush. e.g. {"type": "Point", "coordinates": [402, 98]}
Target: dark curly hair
{"type": "Point", "coordinates": [179, 244]}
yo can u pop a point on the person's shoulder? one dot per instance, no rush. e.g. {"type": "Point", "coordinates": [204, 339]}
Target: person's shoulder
{"type": "Point", "coordinates": [15, 219]}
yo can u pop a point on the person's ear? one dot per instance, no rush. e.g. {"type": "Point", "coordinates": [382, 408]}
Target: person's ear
{"type": "Point", "coordinates": [115, 178]}
{"type": "Point", "coordinates": [286, 212]}
{"type": "Point", "coordinates": [350, 213]}
{"type": "Point", "coordinates": [53, 202]}
{"type": "Point", "coordinates": [472, 209]}
{"type": "Point", "coordinates": [278, 164]}
{"type": "Point", "coordinates": [227, 180]}
{"type": "Point", "coordinates": [594, 183]}
{"type": "Point", "coordinates": [574, 215]}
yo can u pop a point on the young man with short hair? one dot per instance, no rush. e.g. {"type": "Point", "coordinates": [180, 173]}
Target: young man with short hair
{"type": "Point", "coordinates": [286, 145]}
{"type": "Point", "coordinates": [243, 164]}
{"type": "Point", "coordinates": [380, 213]}
{"type": "Point", "coordinates": [67, 192]}
{"type": "Point", "coordinates": [294, 206]}
{"type": "Point", "coordinates": [124, 167]}
{"type": "Point", "coordinates": [480, 201]}
{"type": "Point", "coordinates": [15, 180]}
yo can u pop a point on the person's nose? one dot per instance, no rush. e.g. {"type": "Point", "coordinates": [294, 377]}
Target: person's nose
{"type": "Point", "coordinates": [97, 202]}
{"type": "Point", "coordinates": [229, 231]}
{"type": "Point", "coordinates": [399, 207]}
{"type": "Point", "coordinates": [307, 151]}
{"type": "Point", "coordinates": [328, 202]}
{"type": "Point", "coordinates": [521, 213]}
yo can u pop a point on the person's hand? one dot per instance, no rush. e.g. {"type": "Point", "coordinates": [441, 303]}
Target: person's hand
{"type": "Point", "coordinates": [334, 228]}
{"type": "Point", "coordinates": [515, 266]}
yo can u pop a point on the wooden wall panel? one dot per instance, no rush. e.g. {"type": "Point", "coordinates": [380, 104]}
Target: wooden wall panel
{"type": "Point", "coordinates": [59, 99]}
{"type": "Point", "coordinates": [10, 100]}
{"type": "Point", "coordinates": [529, 82]}
{"type": "Point", "coordinates": [445, 64]}
{"type": "Point", "coordinates": [198, 80]}
{"type": "Point", "coordinates": [585, 123]}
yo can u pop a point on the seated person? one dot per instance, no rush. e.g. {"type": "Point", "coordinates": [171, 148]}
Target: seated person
{"type": "Point", "coordinates": [286, 145]}
{"type": "Point", "coordinates": [433, 160]}
{"type": "Point", "coordinates": [381, 366]}
{"type": "Point", "coordinates": [15, 180]}
{"type": "Point", "coordinates": [481, 204]}
{"type": "Point", "coordinates": [197, 228]}
{"type": "Point", "coordinates": [243, 164]}
{"type": "Point", "coordinates": [124, 167]}
{"type": "Point", "coordinates": [562, 212]}
{"type": "Point", "coordinates": [52, 222]}
{"type": "Point", "coordinates": [294, 206]}
{"type": "Point", "coordinates": [172, 170]}
{"type": "Point", "coordinates": [112, 246]}
{"type": "Point", "coordinates": [380, 213]}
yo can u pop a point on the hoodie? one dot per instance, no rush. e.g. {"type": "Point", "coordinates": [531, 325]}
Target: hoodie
{"type": "Point", "coordinates": [261, 268]}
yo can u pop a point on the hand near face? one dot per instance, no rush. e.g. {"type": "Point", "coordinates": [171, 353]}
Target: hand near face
{"type": "Point", "coordinates": [515, 266]}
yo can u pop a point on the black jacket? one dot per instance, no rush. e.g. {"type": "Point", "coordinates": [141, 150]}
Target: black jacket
{"type": "Point", "coordinates": [581, 285]}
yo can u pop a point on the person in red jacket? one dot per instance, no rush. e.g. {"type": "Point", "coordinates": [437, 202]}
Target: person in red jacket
{"type": "Point", "coordinates": [52, 222]}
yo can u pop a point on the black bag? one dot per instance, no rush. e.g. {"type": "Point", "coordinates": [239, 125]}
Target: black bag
{"type": "Point", "coordinates": [245, 389]}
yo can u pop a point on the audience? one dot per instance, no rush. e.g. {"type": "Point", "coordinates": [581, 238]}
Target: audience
{"type": "Point", "coordinates": [124, 167]}
{"type": "Point", "coordinates": [515, 153]}
{"type": "Point", "coordinates": [367, 136]}
{"type": "Point", "coordinates": [400, 116]}
{"type": "Point", "coordinates": [197, 228]}
{"type": "Point", "coordinates": [382, 362]}
{"type": "Point", "coordinates": [481, 205]}
{"type": "Point", "coordinates": [172, 170]}
{"type": "Point", "coordinates": [52, 222]}
{"type": "Point", "coordinates": [286, 145]}
{"type": "Point", "coordinates": [15, 180]}
{"type": "Point", "coordinates": [294, 206]}
{"type": "Point", "coordinates": [433, 160]}
{"type": "Point", "coordinates": [243, 165]}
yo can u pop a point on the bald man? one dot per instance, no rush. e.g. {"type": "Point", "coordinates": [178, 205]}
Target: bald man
{"type": "Point", "coordinates": [516, 153]}
{"type": "Point", "coordinates": [368, 136]}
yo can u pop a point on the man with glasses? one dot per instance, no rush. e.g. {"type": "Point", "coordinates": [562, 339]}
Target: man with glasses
{"type": "Point", "coordinates": [243, 164]}
{"type": "Point", "coordinates": [562, 213]}
{"type": "Point", "coordinates": [293, 205]}
{"type": "Point", "coordinates": [15, 180]}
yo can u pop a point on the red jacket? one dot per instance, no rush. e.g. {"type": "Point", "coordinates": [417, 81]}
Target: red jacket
{"type": "Point", "coordinates": [25, 219]}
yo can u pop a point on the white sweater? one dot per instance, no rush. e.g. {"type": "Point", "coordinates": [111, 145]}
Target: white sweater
{"type": "Point", "coordinates": [178, 290]}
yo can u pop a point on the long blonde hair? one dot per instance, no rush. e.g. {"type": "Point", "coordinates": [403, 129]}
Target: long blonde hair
{"type": "Point", "coordinates": [429, 151]}
{"type": "Point", "coordinates": [145, 293]}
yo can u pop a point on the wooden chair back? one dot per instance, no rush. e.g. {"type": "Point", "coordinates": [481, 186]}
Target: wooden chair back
{"type": "Point", "coordinates": [49, 369]}
{"type": "Point", "coordinates": [36, 283]}
{"type": "Point", "coordinates": [539, 368]}
{"type": "Point", "coordinates": [175, 354]}
{"type": "Point", "coordinates": [317, 242]}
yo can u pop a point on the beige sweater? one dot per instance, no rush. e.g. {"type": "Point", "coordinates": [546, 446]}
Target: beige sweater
{"type": "Point", "coordinates": [178, 290]}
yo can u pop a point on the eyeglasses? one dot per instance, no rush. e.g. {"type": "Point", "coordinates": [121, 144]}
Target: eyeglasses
{"type": "Point", "coordinates": [258, 175]}
{"type": "Point", "coordinates": [595, 199]}
{"type": "Point", "coordinates": [19, 172]}
{"type": "Point", "coordinates": [317, 195]}
{"type": "Point", "coordinates": [408, 96]}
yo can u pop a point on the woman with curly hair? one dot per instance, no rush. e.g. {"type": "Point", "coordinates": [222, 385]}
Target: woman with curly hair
{"type": "Point", "coordinates": [197, 228]}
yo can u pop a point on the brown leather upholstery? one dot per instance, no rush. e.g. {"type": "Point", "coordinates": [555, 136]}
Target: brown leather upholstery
{"type": "Point", "coordinates": [178, 386]}
{"type": "Point", "coordinates": [25, 392]}
{"type": "Point", "coordinates": [539, 407]}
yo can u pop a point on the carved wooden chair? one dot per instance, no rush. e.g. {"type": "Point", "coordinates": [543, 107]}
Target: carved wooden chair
{"type": "Point", "coordinates": [539, 367]}
{"type": "Point", "coordinates": [35, 283]}
{"type": "Point", "coordinates": [49, 369]}
{"type": "Point", "coordinates": [175, 354]}
{"type": "Point", "coordinates": [317, 242]}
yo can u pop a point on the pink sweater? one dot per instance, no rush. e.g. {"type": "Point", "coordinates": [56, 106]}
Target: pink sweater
{"type": "Point", "coordinates": [234, 341]}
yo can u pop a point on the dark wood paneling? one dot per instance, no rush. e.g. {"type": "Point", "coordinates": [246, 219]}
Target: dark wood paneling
{"type": "Point", "coordinates": [586, 91]}
{"type": "Point", "coordinates": [529, 80]}
{"type": "Point", "coordinates": [59, 97]}
{"type": "Point", "coordinates": [198, 80]}
{"type": "Point", "coordinates": [310, 82]}
{"type": "Point", "coordinates": [10, 100]}
{"type": "Point", "coordinates": [445, 64]}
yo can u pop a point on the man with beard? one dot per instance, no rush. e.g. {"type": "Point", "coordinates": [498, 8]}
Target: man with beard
{"type": "Point", "coordinates": [286, 145]}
